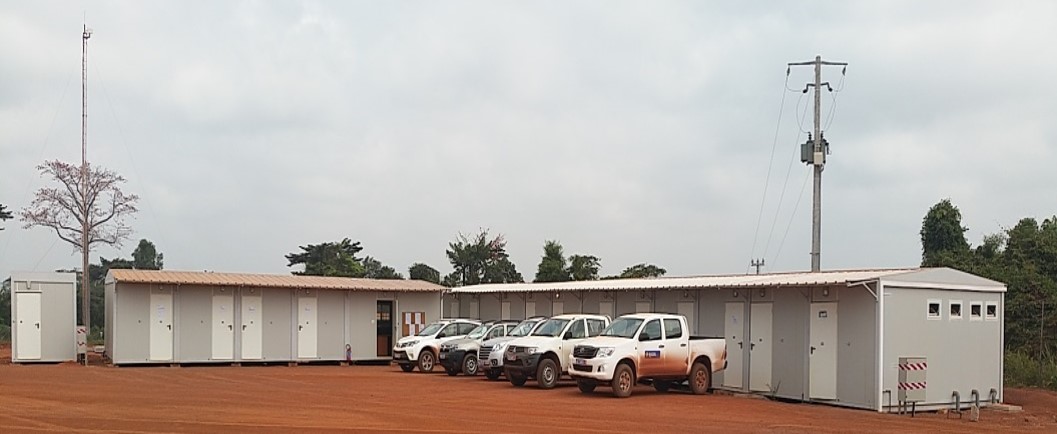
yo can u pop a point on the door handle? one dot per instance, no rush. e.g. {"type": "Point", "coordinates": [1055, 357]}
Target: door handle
{"type": "Point", "coordinates": [682, 345]}
{"type": "Point", "coordinates": [38, 325]}
{"type": "Point", "coordinates": [812, 350]}
{"type": "Point", "coordinates": [229, 327]}
{"type": "Point", "coordinates": [244, 327]}
{"type": "Point", "coordinates": [660, 346]}
{"type": "Point", "coordinates": [169, 326]}
{"type": "Point", "coordinates": [299, 327]}
{"type": "Point", "coordinates": [739, 345]}
{"type": "Point", "coordinates": [752, 346]}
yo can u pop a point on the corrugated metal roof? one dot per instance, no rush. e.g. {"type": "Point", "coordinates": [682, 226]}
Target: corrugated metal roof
{"type": "Point", "coordinates": [694, 282]}
{"type": "Point", "coordinates": [207, 278]}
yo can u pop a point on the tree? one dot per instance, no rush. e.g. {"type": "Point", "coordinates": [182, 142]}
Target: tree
{"type": "Point", "coordinates": [584, 267]}
{"type": "Point", "coordinates": [87, 208]}
{"type": "Point", "coordinates": [329, 259]}
{"type": "Point", "coordinates": [943, 237]}
{"type": "Point", "coordinates": [146, 257]}
{"type": "Point", "coordinates": [642, 270]}
{"type": "Point", "coordinates": [552, 266]}
{"type": "Point", "coordinates": [374, 269]}
{"type": "Point", "coordinates": [420, 271]}
{"type": "Point", "coordinates": [480, 259]}
{"type": "Point", "coordinates": [5, 214]}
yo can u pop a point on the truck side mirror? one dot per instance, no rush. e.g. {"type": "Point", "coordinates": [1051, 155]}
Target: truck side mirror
{"type": "Point", "coordinates": [643, 337]}
{"type": "Point", "coordinates": [568, 335]}
{"type": "Point", "coordinates": [441, 335]}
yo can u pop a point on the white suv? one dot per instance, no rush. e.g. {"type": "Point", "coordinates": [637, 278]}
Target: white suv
{"type": "Point", "coordinates": [421, 349]}
{"type": "Point", "coordinates": [544, 353]}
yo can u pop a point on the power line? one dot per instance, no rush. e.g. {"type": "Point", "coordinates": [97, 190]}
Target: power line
{"type": "Point", "coordinates": [796, 207]}
{"type": "Point", "coordinates": [781, 197]}
{"type": "Point", "coordinates": [770, 163]}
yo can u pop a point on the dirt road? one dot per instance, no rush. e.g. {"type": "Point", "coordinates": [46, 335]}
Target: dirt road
{"type": "Point", "coordinates": [67, 398]}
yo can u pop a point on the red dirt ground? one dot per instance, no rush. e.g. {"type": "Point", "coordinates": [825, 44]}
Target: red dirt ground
{"type": "Point", "coordinates": [72, 398]}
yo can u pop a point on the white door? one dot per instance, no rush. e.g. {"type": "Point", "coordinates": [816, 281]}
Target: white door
{"type": "Point", "coordinates": [251, 327]}
{"type": "Point", "coordinates": [686, 308]}
{"type": "Point", "coordinates": [642, 306]}
{"type": "Point", "coordinates": [557, 308]}
{"type": "Point", "coordinates": [28, 325]}
{"type": "Point", "coordinates": [530, 309]}
{"type": "Point", "coordinates": [760, 347]}
{"type": "Point", "coordinates": [161, 326]}
{"type": "Point", "coordinates": [823, 351]}
{"type": "Point", "coordinates": [475, 310]}
{"type": "Point", "coordinates": [306, 327]}
{"type": "Point", "coordinates": [606, 308]}
{"type": "Point", "coordinates": [223, 325]}
{"type": "Point", "coordinates": [733, 331]}
{"type": "Point", "coordinates": [504, 310]}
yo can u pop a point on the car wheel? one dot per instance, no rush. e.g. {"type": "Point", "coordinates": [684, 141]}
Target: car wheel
{"type": "Point", "coordinates": [469, 365]}
{"type": "Point", "coordinates": [492, 374]}
{"type": "Point", "coordinates": [586, 386]}
{"type": "Point", "coordinates": [700, 378]}
{"type": "Point", "coordinates": [623, 381]}
{"type": "Point", "coordinates": [661, 385]}
{"type": "Point", "coordinates": [407, 368]}
{"type": "Point", "coordinates": [547, 374]}
{"type": "Point", "coordinates": [516, 379]}
{"type": "Point", "coordinates": [426, 361]}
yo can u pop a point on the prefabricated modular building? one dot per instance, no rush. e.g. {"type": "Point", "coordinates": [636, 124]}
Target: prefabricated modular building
{"type": "Point", "coordinates": [43, 317]}
{"type": "Point", "coordinates": [205, 317]}
{"type": "Point", "coordinates": [860, 338]}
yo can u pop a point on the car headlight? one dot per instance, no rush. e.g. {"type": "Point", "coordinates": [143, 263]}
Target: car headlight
{"type": "Point", "coordinates": [409, 344]}
{"type": "Point", "coordinates": [531, 350]}
{"type": "Point", "coordinates": [498, 347]}
{"type": "Point", "coordinates": [604, 352]}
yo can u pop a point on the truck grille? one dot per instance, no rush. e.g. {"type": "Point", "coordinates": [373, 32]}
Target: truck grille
{"type": "Point", "coordinates": [582, 368]}
{"type": "Point", "coordinates": [484, 352]}
{"type": "Point", "coordinates": [584, 352]}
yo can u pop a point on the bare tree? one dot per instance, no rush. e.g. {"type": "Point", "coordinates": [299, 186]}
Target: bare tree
{"type": "Point", "coordinates": [88, 203]}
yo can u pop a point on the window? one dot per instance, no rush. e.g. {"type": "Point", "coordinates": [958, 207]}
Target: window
{"type": "Point", "coordinates": [449, 330]}
{"type": "Point", "coordinates": [466, 327]}
{"type": "Point", "coordinates": [673, 329]}
{"type": "Point", "coordinates": [577, 330]}
{"type": "Point", "coordinates": [496, 332]}
{"type": "Point", "coordinates": [595, 327]}
{"type": "Point", "coordinates": [934, 309]}
{"type": "Point", "coordinates": [956, 309]}
{"type": "Point", "coordinates": [976, 311]}
{"type": "Point", "coordinates": [991, 311]}
{"type": "Point", "coordinates": [651, 331]}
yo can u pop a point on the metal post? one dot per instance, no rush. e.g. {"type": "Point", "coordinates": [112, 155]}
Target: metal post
{"type": "Point", "coordinates": [818, 161]}
{"type": "Point", "coordinates": [86, 289]}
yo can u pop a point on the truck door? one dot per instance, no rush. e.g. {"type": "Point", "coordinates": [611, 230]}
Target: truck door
{"type": "Point", "coordinates": [676, 349]}
{"type": "Point", "coordinates": [651, 350]}
{"type": "Point", "coordinates": [573, 335]}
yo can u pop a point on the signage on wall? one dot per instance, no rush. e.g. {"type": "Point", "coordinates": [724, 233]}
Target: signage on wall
{"type": "Point", "coordinates": [413, 322]}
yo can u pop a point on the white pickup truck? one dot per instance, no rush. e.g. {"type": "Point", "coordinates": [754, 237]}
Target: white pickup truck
{"type": "Point", "coordinates": [544, 353]}
{"type": "Point", "coordinates": [422, 348]}
{"type": "Point", "coordinates": [647, 348]}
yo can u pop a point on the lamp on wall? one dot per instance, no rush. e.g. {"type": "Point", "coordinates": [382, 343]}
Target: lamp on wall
{"type": "Point", "coordinates": [825, 292]}
{"type": "Point", "coordinates": [557, 295]}
{"type": "Point", "coordinates": [735, 293]}
{"type": "Point", "coordinates": [763, 293]}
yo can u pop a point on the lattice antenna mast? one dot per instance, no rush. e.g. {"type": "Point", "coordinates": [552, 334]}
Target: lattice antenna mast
{"type": "Point", "coordinates": [86, 290]}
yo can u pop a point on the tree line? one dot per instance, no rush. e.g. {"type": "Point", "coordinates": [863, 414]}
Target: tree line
{"type": "Point", "coordinates": [475, 259]}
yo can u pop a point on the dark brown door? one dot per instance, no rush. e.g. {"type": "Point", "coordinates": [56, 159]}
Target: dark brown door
{"type": "Point", "coordinates": [384, 320]}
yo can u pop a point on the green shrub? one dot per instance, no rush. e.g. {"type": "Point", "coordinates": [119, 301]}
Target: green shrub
{"type": "Point", "coordinates": [1024, 370]}
{"type": "Point", "coordinates": [5, 333]}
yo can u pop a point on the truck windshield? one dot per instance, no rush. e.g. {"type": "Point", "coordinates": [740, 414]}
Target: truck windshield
{"type": "Point", "coordinates": [478, 332]}
{"type": "Point", "coordinates": [523, 329]}
{"type": "Point", "coordinates": [623, 328]}
{"type": "Point", "coordinates": [551, 327]}
{"type": "Point", "coordinates": [431, 329]}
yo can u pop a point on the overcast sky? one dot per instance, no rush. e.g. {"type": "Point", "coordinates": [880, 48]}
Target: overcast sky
{"type": "Point", "coordinates": [633, 131]}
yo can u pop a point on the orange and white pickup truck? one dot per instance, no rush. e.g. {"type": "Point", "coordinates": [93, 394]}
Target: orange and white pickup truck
{"type": "Point", "coordinates": [647, 348]}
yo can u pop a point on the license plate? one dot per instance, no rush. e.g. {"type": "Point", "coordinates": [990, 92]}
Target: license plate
{"type": "Point", "coordinates": [511, 356]}
{"type": "Point", "coordinates": [486, 363]}
{"type": "Point", "coordinates": [579, 362]}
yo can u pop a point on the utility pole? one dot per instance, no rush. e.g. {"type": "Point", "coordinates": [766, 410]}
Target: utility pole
{"type": "Point", "coordinates": [86, 290]}
{"type": "Point", "coordinates": [817, 157]}
{"type": "Point", "coordinates": [758, 263]}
